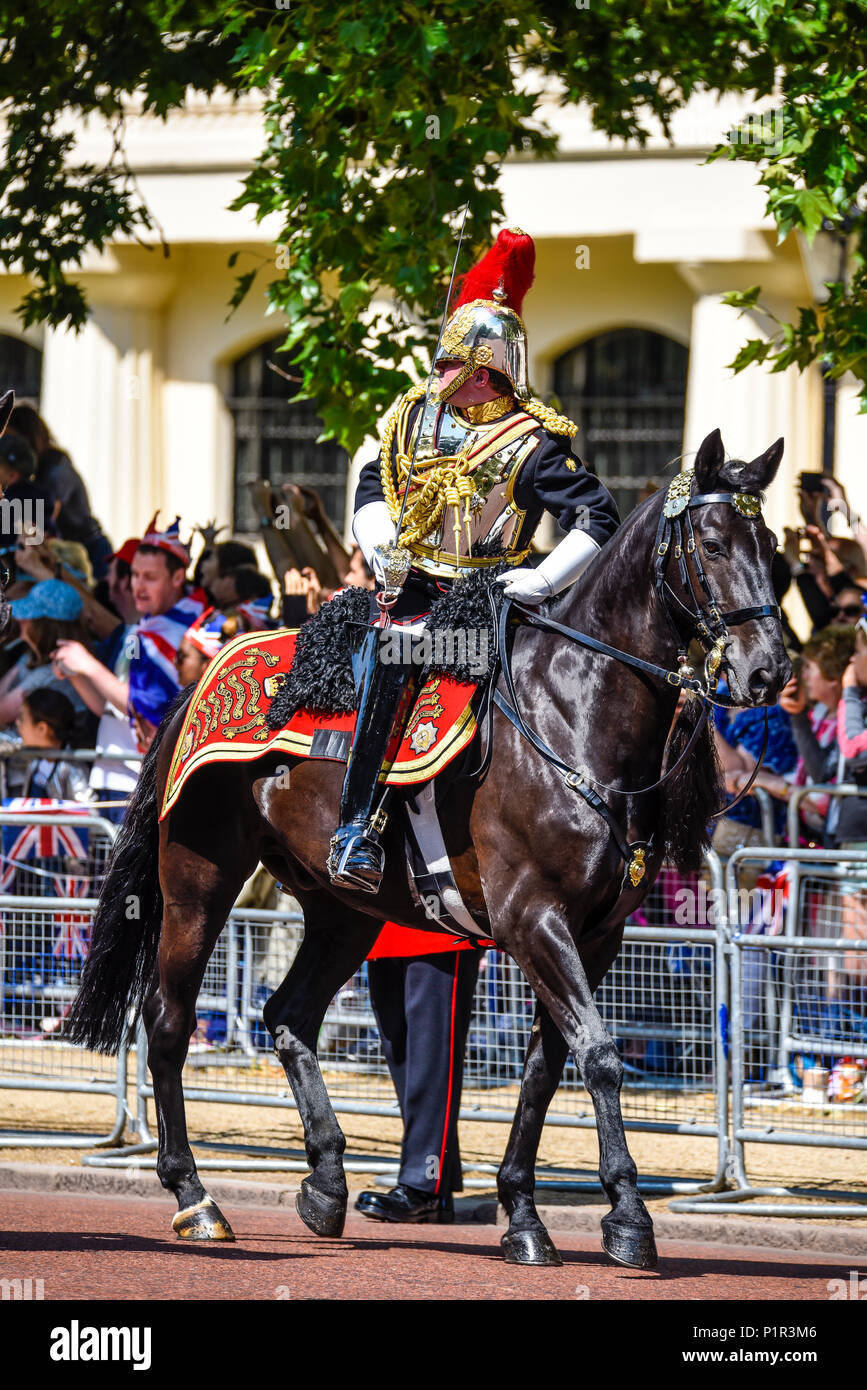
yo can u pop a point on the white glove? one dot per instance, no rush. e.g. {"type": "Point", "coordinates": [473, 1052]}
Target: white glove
{"type": "Point", "coordinates": [556, 572]}
{"type": "Point", "coordinates": [372, 526]}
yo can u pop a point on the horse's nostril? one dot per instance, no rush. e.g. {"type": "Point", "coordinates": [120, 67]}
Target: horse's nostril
{"type": "Point", "coordinates": [759, 681]}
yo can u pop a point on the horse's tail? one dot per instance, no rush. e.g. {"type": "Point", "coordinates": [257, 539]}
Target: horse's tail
{"type": "Point", "coordinates": [692, 795]}
{"type": "Point", "coordinates": [126, 927]}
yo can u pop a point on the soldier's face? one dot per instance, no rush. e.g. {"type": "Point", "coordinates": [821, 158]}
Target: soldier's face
{"type": "Point", "coordinates": [478, 388]}
{"type": "Point", "coordinates": [445, 372]}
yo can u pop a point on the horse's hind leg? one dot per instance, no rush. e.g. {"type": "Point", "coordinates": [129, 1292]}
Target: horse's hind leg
{"type": "Point", "coordinates": [527, 1242]}
{"type": "Point", "coordinates": [198, 898]}
{"type": "Point", "coordinates": [336, 941]}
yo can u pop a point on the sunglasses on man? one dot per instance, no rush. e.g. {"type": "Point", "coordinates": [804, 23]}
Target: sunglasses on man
{"type": "Point", "coordinates": [848, 610]}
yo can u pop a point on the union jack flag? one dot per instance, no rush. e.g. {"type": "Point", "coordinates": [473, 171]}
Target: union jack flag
{"type": "Point", "coordinates": [57, 845]}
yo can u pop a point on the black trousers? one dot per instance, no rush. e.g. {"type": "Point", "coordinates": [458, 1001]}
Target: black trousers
{"type": "Point", "coordinates": [423, 1006]}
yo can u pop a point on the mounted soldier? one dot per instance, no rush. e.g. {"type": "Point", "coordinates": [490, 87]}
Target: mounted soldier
{"type": "Point", "coordinates": [466, 468]}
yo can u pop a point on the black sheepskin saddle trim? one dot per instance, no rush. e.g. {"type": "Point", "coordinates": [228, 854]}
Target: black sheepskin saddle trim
{"type": "Point", "coordinates": [321, 678]}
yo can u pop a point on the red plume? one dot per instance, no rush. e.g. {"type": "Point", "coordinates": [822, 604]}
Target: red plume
{"type": "Point", "coordinates": [511, 262]}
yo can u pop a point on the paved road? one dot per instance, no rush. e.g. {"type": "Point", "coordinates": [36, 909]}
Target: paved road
{"type": "Point", "coordinates": [94, 1247]}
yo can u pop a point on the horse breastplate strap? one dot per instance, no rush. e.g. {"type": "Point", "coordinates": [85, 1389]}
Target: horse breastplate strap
{"type": "Point", "coordinates": [463, 484]}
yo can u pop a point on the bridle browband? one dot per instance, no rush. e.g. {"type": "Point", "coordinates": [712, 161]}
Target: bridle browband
{"type": "Point", "coordinates": [707, 621]}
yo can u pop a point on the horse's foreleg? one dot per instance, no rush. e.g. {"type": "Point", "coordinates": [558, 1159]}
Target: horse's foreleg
{"type": "Point", "coordinates": [336, 941]}
{"type": "Point", "coordinates": [527, 1241]}
{"type": "Point", "coordinates": [548, 956]}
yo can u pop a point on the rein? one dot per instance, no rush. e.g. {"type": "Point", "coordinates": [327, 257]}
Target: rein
{"type": "Point", "coordinates": [708, 621]}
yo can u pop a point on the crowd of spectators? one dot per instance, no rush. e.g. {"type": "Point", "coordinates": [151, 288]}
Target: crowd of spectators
{"type": "Point", "coordinates": [103, 636]}
{"type": "Point", "coordinates": [817, 730]}
{"type": "Point", "coordinates": [101, 639]}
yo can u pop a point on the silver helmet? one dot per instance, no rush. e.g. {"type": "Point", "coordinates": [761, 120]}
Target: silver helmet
{"type": "Point", "coordinates": [486, 329]}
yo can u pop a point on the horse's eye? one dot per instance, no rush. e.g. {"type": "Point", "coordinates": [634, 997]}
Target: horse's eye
{"type": "Point", "coordinates": [712, 548]}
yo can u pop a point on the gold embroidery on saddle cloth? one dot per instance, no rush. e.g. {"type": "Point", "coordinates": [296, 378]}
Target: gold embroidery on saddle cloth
{"type": "Point", "coordinates": [234, 696]}
{"type": "Point", "coordinates": [428, 706]}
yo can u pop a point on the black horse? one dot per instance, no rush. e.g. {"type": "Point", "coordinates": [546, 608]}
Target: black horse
{"type": "Point", "coordinates": [536, 865]}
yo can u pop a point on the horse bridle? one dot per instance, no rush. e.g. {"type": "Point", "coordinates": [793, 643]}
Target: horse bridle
{"type": "Point", "coordinates": [675, 535]}
{"type": "Point", "coordinates": [708, 621]}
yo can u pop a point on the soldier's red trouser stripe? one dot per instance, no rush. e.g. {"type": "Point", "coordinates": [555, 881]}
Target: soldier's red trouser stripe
{"type": "Point", "coordinates": [451, 1075]}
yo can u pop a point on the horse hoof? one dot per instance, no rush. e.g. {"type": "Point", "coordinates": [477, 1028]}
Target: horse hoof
{"type": "Point", "coordinates": [325, 1215]}
{"type": "Point", "coordinates": [529, 1248]}
{"type": "Point", "coordinates": [204, 1221]}
{"type": "Point", "coordinates": [630, 1245]}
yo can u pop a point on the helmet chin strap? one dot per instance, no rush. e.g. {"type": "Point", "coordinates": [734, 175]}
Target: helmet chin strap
{"type": "Point", "coordinates": [445, 393]}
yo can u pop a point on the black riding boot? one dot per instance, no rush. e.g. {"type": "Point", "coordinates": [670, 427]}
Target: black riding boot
{"type": "Point", "coordinates": [356, 858]}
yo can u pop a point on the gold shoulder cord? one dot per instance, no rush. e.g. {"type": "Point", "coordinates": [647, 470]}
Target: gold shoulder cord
{"type": "Point", "coordinates": [548, 418]}
{"type": "Point", "coordinates": [439, 484]}
{"type": "Point", "coordinates": [400, 413]}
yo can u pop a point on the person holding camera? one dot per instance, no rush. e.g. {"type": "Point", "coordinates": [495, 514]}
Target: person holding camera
{"type": "Point", "coordinates": [811, 699]}
{"type": "Point", "coordinates": [830, 570]}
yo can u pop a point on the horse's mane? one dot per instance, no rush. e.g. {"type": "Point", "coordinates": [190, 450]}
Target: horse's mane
{"type": "Point", "coordinates": [691, 796]}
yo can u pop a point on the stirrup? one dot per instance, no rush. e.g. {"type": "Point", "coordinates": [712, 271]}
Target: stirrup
{"type": "Point", "coordinates": [356, 860]}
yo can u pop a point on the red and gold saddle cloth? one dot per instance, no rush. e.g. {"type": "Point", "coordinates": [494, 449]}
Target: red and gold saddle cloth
{"type": "Point", "coordinates": [225, 720]}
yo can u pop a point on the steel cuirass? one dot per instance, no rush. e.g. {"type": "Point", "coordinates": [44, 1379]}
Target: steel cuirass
{"type": "Point", "coordinates": [481, 512]}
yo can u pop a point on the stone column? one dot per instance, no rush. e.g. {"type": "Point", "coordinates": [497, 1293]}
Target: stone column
{"type": "Point", "coordinates": [101, 393]}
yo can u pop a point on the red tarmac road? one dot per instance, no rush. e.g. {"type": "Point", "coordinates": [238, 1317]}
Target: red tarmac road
{"type": "Point", "coordinates": [95, 1247]}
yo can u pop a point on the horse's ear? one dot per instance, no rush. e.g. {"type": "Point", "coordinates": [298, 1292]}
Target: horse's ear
{"type": "Point", "coordinates": [708, 461]}
{"type": "Point", "coordinates": [754, 476]}
{"type": "Point", "coordinates": [7, 404]}
{"type": "Point", "coordinates": [763, 469]}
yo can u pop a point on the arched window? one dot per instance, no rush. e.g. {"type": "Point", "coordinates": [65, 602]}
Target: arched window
{"type": "Point", "coordinates": [20, 368]}
{"type": "Point", "coordinates": [626, 390]}
{"type": "Point", "coordinates": [276, 440]}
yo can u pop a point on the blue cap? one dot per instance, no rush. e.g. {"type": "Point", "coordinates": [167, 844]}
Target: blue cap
{"type": "Point", "coordinates": [51, 598]}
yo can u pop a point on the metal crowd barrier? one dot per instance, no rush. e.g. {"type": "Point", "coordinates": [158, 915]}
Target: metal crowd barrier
{"type": "Point", "coordinates": [685, 1044]}
{"type": "Point", "coordinates": [42, 943]}
{"type": "Point", "coordinates": [833, 790]}
{"type": "Point", "coordinates": [766, 810]}
{"type": "Point", "coordinates": [12, 755]}
{"type": "Point", "coordinates": [664, 1002]}
{"type": "Point", "coordinates": [798, 1008]}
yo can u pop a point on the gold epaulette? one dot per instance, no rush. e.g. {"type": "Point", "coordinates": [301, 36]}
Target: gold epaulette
{"type": "Point", "coordinates": [548, 418]}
